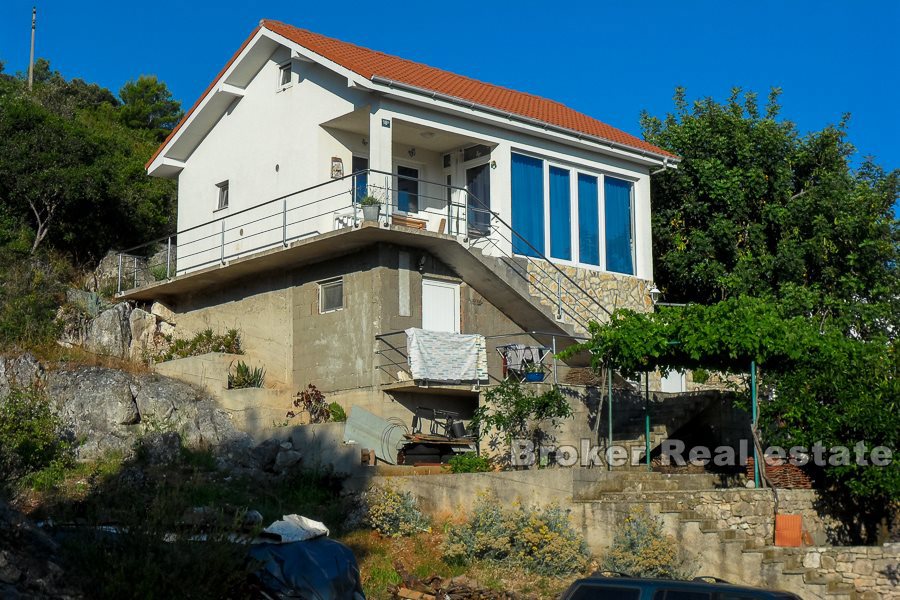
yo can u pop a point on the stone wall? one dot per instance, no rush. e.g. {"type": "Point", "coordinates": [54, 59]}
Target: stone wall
{"type": "Point", "coordinates": [726, 533]}
{"type": "Point", "coordinates": [871, 571]}
{"type": "Point", "coordinates": [612, 290]}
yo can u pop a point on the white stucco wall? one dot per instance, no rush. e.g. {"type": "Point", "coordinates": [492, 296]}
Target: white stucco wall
{"type": "Point", "coordinates": [270, 143]}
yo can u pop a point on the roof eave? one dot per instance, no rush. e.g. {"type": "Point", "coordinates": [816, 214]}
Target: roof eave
{"type": "Point", "coordinates": [657, 158]}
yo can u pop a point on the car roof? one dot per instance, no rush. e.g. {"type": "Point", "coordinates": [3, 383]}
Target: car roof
{"type": "Point", "coordinates": [683, 583]}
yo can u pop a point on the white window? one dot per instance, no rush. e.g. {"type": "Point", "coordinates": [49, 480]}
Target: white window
{"type": "Point", "coordinates": [223, 195]}
{"type": "Point", "coordinates": [331, 295]}
{"type": "Point", "coordinates": [284, 76]}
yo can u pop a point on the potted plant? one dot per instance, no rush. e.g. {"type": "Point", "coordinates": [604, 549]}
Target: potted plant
{"type": "Point", "coordinates": [534, 372]}
{"type": "Point", "coordinates": [371, 206]}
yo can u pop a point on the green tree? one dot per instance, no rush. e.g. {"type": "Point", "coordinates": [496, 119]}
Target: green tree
{"type": "Point", "coordinates": [826, 386]}
{"type": "Point", "coordinates": [756, 208]}
{"type": "Point", "coordinates": [147, 103]}
{"type": "Point", "coordinates": [71, 175]}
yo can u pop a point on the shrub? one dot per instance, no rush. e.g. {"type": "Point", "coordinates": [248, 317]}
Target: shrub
{"type": "Point", "coordinates": [517, 413]}
{"type": "Point", "coordinates": [394, 513]}
{"type": "Point", "coordinates": [245, 377]}
{"type": "Point", "coordinates": [31, 435]}
{"type": "Point", "coordinates": [203, 343]}
{"type": "Point", "coordinates": [469, 463]}
{"type": "Point", "coordinates": [337, 412]}
{"type": "Point", "coordinates": [539, 539]}
{"type": "Point", "coordinates": [641, 549]}
{"type": "Point", "coordinates": [312, 401]}
{"type": "Point", "coordinates": [31, 290]}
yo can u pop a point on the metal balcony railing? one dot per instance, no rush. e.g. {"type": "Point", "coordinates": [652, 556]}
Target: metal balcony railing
{"type": "Point", "coordinates": [337, 204]}
{"type": "Point", "coordinates": [392, 358]}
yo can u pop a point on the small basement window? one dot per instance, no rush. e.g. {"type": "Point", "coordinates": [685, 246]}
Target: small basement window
{"type": "Point", "coordinates": [284, 75]}
{"type": "Point", "coordinates": [331, 295]}
{"type": "Point", "coordinates": [223, 195]}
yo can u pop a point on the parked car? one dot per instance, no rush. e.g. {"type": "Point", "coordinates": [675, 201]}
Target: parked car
{"type": "Point", "coordinates": [598, 587]}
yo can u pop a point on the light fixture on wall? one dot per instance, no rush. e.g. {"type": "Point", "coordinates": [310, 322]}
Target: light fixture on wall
{"type": "Point", "coordinates": [427, 134]}
{"type": "Point", "coordinates": [493, 164]}
{"type": "Point", "coordinates": [654, 295]}
{"type": "Point", "coordinates": [411, 152]}
{"type": "Point", "coordinates": [365, 141]}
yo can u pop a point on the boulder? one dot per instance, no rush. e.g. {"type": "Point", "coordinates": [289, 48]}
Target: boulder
{"type": "Point", "coordinates": [142, 326]}
{"type": "Point", "coordinates": [163, 313]}
{"type": "Point", "coordinates": [160, 448]}
{"type": "Point", "coordinates": [110, 334]}
{"type": "Point", "coordinates": [98, 406]}
{"type": "Point", "coordinates": [29, 564]}
{"type": "Point", "coordinates": [20, 371]}
{"type": "Point", "coordinates": [286, 459]}
{"type": "Point", "coordinates": [165, 329]}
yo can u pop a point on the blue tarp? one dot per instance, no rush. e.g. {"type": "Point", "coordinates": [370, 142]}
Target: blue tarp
{"type": "Point", "coordinates": [317, 569]}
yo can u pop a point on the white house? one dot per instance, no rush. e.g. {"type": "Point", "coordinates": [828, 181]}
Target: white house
{"type": "Point", "coordinates": [501, 213]}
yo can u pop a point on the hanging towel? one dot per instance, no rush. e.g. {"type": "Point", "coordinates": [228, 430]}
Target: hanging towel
{"type": "Point", "coordinates": [446, 357]}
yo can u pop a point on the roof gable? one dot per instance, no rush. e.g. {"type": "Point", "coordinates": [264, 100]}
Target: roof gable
{"type": "Point", "coordinates": [370, 65]}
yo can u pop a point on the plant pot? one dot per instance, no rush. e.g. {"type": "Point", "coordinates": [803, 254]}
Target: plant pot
{"type": "Point", "coordinates": [370, 212]}
{"type": "Point", "coordinates": [534, 377]}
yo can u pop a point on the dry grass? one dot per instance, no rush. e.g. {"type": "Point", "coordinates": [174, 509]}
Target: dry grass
{"type": "Point", "coordinates": [421, 556]}
{"type": "Point", "coordinates": [56, 356]}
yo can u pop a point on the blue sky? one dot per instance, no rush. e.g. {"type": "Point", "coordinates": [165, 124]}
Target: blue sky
{"type": "Point", "coordinates": [608, 59]}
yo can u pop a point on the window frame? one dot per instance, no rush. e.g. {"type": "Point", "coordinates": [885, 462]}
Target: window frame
{"type": "Point", "coordinates": [223, 191]}
{"type": "Point", "coordinates": [280, 84]}
{"type": "Point", "coordinates": [600, 174]}
{"type": "Point", "coordinates": [324, 285]}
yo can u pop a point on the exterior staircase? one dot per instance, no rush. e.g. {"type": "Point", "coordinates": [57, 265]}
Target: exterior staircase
{"type": "Point", "coordinates": [730, 553]}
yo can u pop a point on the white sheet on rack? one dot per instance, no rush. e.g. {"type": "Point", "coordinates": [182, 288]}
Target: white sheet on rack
{"type": "Point", "coordinates": [446, 357]}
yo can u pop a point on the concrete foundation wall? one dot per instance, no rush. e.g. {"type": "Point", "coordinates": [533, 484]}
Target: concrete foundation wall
{"type": "Point", "coordinates": [259, 308]}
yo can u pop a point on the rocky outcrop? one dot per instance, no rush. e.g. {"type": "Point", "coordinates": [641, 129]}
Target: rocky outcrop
{"type": "Point", "coordinates": [109, 334]}
{"type": "Point", "coordinates": [119, 330]}
{"type": "Point", "coordinates": [29, 567]}
{"type": "Point", "coordinates": [18, 371]}
{"type": "Point", "coordinates": [107, 409]}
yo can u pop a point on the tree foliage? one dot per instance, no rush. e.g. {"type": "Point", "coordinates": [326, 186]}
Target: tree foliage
{"type": "Point", "coordinates": [71, 175]}
{"type": "Point", "coordinates": [757, 208]}
{"type": "Point", "coordinates": [826, 386]}
{"type": "Point", "coordinates": [147, 104]}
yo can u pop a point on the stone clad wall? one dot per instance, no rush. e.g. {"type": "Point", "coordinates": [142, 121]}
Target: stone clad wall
{"type": "Point", "coordinates": [612, 290]}
{"type": "Point", "coordinates": [872, 571]}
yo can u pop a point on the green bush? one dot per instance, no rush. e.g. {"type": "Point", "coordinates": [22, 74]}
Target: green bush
{"type": "Point", "coordinates": [203, 343]}
{"type": "Point", "coordinates": [539, 539]}
{"type": "Point", "coordinates": [31, 436]}
{"type": "Point", "coordinates": [337, 412]}
{"type": "Point", "coordinates": [31, 290]}
{"type": "Point", "coordinates": [394, 513]}
{"type": "Point", "coordinates": [245, 377]}
{"type": "Point", "coordinates": [641, 549]}
{"type": "Point", "coordinates": [469, 463]}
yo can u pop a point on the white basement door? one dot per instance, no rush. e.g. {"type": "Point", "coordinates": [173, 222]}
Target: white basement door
{"type": "Point", "coordinates": [440, 305]}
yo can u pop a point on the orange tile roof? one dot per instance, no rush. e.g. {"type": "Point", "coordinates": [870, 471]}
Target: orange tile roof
{"type": "Point", "coordinates": [370, 63]}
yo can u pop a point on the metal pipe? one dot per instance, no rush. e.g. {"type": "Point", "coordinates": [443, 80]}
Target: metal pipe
{"type": "Point", "coordinates": [284, 222]}
{"type": "Point", "coordinates": [169, 258]}
{"type": "Point", "coordinates": [555, 376]}
{"type": "Point", "coordinates": [135, 271]}
{"type": "Point", "coordinates": [222, 245]}
{"type": "Point", "coordinates": [120, 274]}
{"type": "Point", "coordinates": [609, 412]}
{"type": "Point", "coordinates": [755, 417]}
{"type": "Point", "coordinates": [647, 418]}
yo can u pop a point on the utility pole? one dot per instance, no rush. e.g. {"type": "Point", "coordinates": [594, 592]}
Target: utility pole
{"type": "Point", "coordinates": [31, 59]}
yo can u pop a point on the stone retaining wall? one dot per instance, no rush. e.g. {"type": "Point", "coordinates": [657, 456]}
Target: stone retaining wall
{"type": "Point", "coordinates": [612, 290]}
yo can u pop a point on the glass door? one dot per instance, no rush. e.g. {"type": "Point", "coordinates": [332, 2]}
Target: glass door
{"type": "Point", "coordinates": [407, 189]}
{"type": "Point", "coordinates": [478, 184]}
